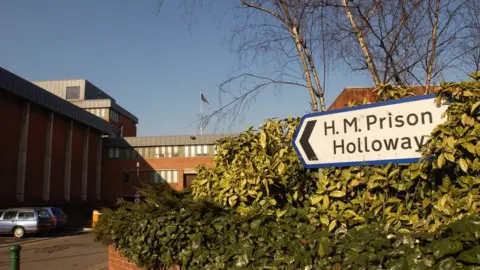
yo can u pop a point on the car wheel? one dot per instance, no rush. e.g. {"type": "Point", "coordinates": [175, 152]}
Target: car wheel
{"type": "Point", "coordinates": [19, 232]}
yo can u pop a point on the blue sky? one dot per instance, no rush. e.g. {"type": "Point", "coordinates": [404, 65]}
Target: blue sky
{"type": "Point", "coordinates": [154, 66]}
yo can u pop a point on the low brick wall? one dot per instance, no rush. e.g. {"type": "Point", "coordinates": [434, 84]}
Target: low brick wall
{"type": "Point", "coordinates": [117, 262]}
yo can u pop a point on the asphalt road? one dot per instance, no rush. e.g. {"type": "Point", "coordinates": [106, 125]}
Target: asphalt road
{"type": "Point", "coordinates": [63, 252]}
{"type": "Point", "coordinates": [9, 240]}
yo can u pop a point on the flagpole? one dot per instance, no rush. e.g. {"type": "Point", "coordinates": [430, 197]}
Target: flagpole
{"type": "Point", "coordinates": [201, 113]}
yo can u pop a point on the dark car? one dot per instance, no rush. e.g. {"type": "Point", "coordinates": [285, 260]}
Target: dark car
{"type": "Point", "coordinates": [22, 221]}
{"type": "Point", "coordinates": [59, 217]}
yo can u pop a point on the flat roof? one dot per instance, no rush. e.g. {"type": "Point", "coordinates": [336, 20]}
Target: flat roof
{"type": "Point", "coordinates": [179, 140]}
{"type": "Point", "coordinates": [35, 94]}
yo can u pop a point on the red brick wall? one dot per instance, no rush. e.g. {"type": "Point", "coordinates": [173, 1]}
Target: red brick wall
{"type": "Point", "coordinates": [11, 108]}
{"type": "Point", "coordinates": [77, 159]}
{"type": "Point", "coordinates": [358, 94]}
{"type": "Point", "coordinates": [57, 173]}
{"type": "Point", "coordinates": [92, 164]}
{"type": "Point", "coordinates": [117, 262]}
{"type": "Point", "coordinates": [113, 172]}
{"type": "Point", "coordinates": [129, 127]}
{"type": "Point", "coordinates": [10, 116]}
{"type": "Point", "coordinates": [352, 94]}
{"type": "Point", "coordinates": [37, 131]}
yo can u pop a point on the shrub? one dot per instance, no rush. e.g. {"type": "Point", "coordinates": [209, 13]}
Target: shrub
{"type": "Point", "coordinates": [258, 208]}
{"type": "Point", "coordinates": [416, 197]}
{"type": "Point", "coordinates": [257, 168]}
{"type": "Point", "coordinates": [172, 228]}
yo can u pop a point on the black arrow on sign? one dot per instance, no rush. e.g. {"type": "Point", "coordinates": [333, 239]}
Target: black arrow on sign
{"type": "Point", "coordinates": [307, 148]}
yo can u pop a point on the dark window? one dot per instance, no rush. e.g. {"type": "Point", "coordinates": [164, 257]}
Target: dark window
{"type": "Point", "coordinates": [126, 177]}
{"type": "Point", "coordinates": [73, 92]}
{"type": "Point", "coordinates": [1, 213]}
{"type": "Point", "coordinates": [9, 215]}
{"type": "Point", "coordinates": [26, 216]}
{"type": "Point", "coordinates": [43, 214]}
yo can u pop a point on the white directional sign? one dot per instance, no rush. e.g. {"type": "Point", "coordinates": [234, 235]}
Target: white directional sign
{"type": "Point", "coordinates": [380, 133]}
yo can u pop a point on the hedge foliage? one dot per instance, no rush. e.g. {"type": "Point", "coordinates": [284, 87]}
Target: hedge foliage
{"type": "Point", "coordinates": [258, 208]}
{"type": "Point", "coordinates": [173, 228]}
{"type": "Point", "coordinates": [257, 168]}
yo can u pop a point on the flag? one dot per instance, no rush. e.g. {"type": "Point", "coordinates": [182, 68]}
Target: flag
{"type": "Point", "coordinates": [203, 98]}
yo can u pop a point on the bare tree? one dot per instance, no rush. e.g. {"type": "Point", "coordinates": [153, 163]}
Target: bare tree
{"type": "Point", "coordinates": [289, 25]}
{"type": "Point", "coordinates": [432, 54]}
{"type": "Point", "coordinates": [285, 30]}
{"type": "Point", "coordinates": [470, 46]}
{"type": "Point", "coordinates": [402, 41]}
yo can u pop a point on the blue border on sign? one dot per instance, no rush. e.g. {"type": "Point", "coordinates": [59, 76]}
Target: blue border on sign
{"type": "Point", "coordinates": [356, 108]}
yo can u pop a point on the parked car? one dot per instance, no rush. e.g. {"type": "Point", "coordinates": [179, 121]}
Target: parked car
{"type": "Point", "coordinates": [23, 221]}
{"type": "Point", "coordinates": [59, 218]}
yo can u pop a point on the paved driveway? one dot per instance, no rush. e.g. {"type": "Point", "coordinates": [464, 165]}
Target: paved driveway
{"type": "Point", "coordinates": [67, 252]}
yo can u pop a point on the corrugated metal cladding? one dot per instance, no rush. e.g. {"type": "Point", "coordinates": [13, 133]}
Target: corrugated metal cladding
{"type": "Point", "coordinates": [59, 87]}
{"type": "Point", "coordinates": [94, 103]}
{"type": "Point", "coordinates": [33, 93]}
{"type": "Point", "coordinates": [163, 140]}
{"type": "Point", "coordinates": [105, 103]}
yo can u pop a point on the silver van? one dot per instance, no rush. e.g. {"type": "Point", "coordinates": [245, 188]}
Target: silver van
{"type": "Point", "coordinates": [23, 221]}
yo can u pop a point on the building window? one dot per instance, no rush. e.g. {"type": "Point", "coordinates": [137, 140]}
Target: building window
{"type": "Point", "coordinates": [126, 177]}
{"type": "Point", "coordinates": [113, 115]}
{"type": "Point", "coordinates": [164, 176]}
{"type": "Point", "coordinates": [157, 152]}
{"type": "Point", "coordinates": [115, 132]}
{"type": "Point", "coordinates": [73, 92]}
{"type": "Point", "coordinates": [124, 153]}
{"type": "Point", "coordinates": [113, 153]}
{"type": "Point", "coordinates": [175, 151]}
{"type": "Point", "coordinates": [166, 151]}
{"type": "Point", "coordinates": [202, 150]}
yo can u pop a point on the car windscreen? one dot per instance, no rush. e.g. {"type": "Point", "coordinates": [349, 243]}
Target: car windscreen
{"type": "Point", "coordinates": [43, 214]}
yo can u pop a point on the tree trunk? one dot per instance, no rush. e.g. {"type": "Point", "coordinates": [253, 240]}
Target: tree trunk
{"type": "Point", "coordinates": [298, 44]}
{"type": "Point", "coordinates": [363, 45]}
{"type": "Point", "coordinates": [311, 63]}
{"type": "Point", "coordinates": [431, 61]}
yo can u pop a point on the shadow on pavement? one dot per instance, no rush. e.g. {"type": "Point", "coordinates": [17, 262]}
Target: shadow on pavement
{"type": "Point", "coordinates": [9, 240]}
{"type": "Point", "coordinates": [54, 258]}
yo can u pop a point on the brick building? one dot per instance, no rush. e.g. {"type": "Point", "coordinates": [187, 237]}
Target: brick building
{"type": "Point", "coordinates": [51, 149]}
{"type": "Point", "coordinates": [67, 143]}
{"type": "Point", "coordinates": [91, 98]}
{"type": "Point", "coordinates": [357, 94]}
{"type": "Point", "coordinates": [132, 160]}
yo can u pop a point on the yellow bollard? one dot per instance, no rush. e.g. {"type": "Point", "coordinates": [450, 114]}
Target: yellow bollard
{"type": "Point", "coordinates": [95, 216]}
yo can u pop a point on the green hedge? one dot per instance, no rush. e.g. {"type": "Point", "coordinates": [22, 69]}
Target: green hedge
{"type": "Point", "coordinates": [257, 208]}
{"type": "Point", "coordinates": [172, 228]}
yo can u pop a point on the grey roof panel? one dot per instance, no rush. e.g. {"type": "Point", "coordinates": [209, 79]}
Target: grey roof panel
{"type": "Point", "coordinates": [162, 140]}
{"type": "Point", "coordinates": [33, 93]}
{"type": "Point", "coordinates": [105, 103]}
